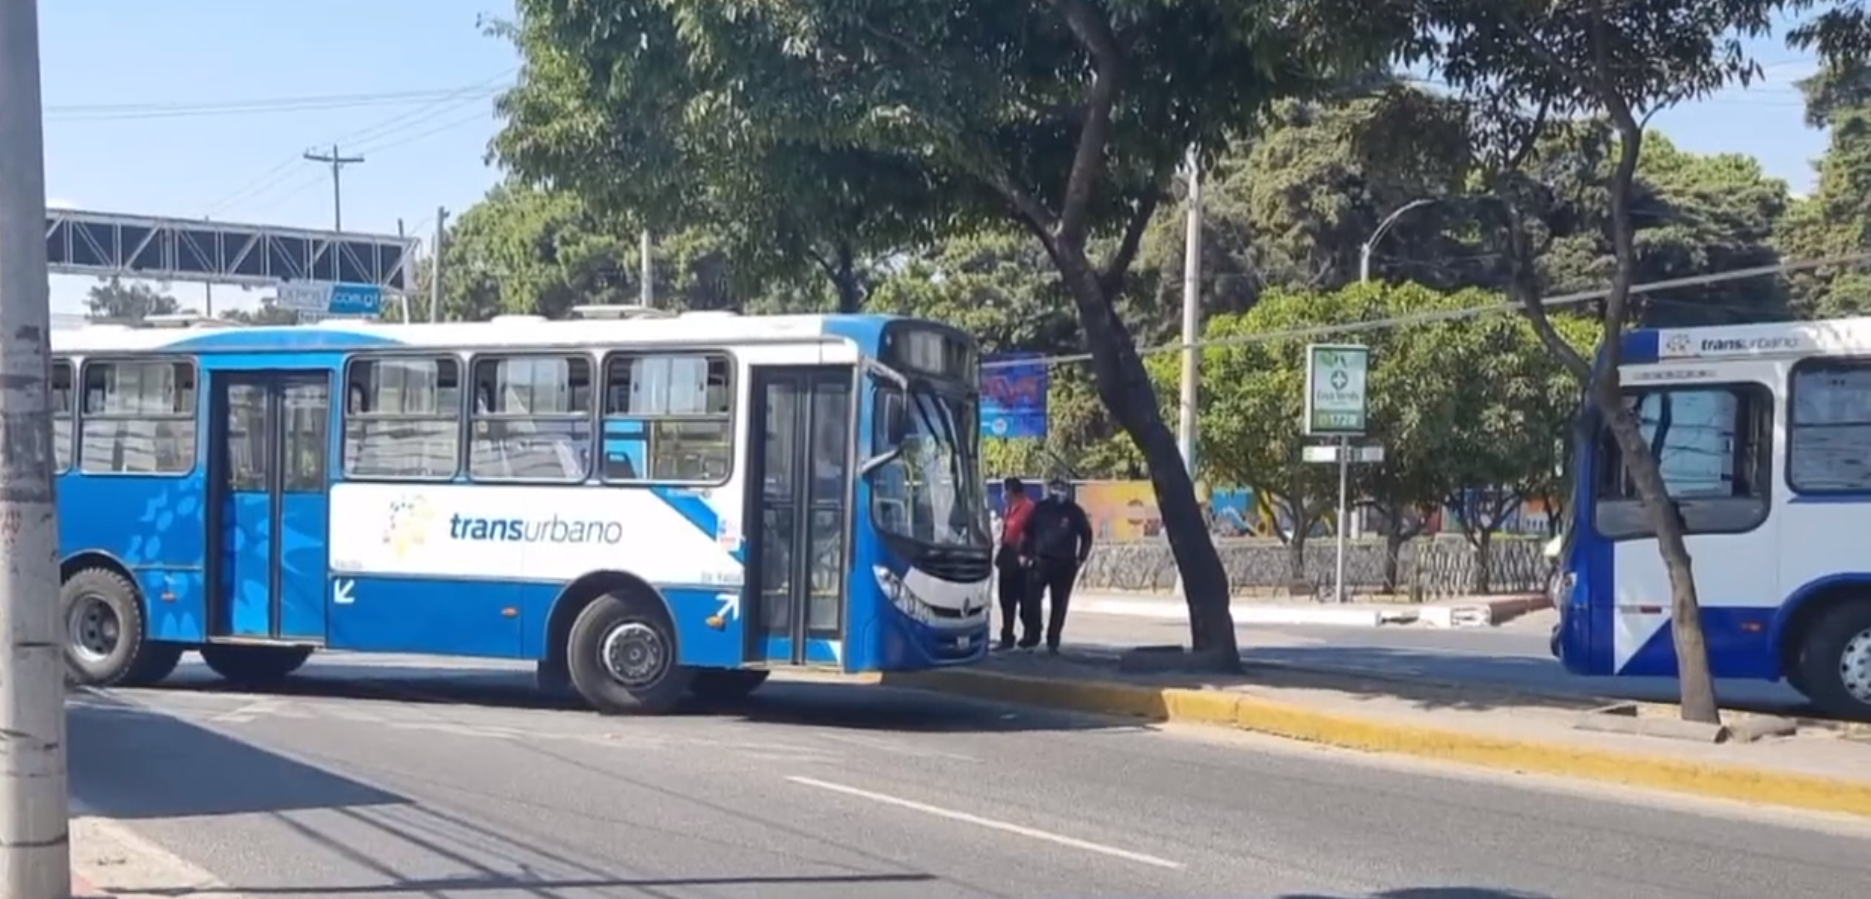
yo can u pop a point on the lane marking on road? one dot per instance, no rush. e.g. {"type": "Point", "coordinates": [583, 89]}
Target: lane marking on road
{"type": "Point", "coordinates": [1030, 833]}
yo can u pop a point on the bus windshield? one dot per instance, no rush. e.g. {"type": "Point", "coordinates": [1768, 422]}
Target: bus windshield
{"type": "Point", "coordinates": [931, 491]}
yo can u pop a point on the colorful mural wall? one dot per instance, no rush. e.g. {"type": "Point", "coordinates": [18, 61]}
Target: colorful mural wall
{"type": "Point", "coordinates": [1126, 511]}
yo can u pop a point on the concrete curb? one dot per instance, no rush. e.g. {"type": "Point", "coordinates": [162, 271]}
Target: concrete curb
{"type": "Point", "coordinates": [1477, 613]}
{"type": "Point", "coordinates": [1252, 713]}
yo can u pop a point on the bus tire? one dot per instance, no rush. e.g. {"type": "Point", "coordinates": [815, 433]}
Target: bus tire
{"type": "Point", "coordinates": [258, 666]}
{"type": "Point", "coordinates": [1835, 662]}
{"type": "Point", "coordinates": [726, 686]}
{"type": "Point", "coordinates": [106, 641]}
{"type": "Point", "coordinates": [622, 656]}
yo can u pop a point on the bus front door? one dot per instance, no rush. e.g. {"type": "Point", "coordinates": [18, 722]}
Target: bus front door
{"type": "Point", "coordinates": [799, 492]}
{"type": "Point", "coordinates": [268, 519]}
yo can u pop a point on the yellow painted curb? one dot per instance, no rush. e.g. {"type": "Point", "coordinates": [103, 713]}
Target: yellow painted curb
{"type": "Point", "coordinates": [1251, 713]}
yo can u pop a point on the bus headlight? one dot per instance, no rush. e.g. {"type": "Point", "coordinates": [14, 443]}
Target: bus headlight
{"type": "Point", "coordinates": [901, 596]}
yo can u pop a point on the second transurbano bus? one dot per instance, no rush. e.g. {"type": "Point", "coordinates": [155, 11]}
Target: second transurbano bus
{"type": "Point", "coordinates": [1763, 433]}
{"type": "Point", "coordinates": [648, 508]}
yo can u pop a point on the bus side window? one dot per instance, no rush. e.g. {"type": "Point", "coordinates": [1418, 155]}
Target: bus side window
{"type": "Point", "coordinates": [403, 417]}
{"type": "Point", "coordinates": [532, 418]}
{"type": "Point", "coordinates": [138, 418]}
{"type": "Point", "coordinates": [1714, 446]}
{"type": "Point", "coordinates": [62, 412]}
{"type": "Point", "coordinates": [668, 418]}
{"type": "Point", "coordinates": [1829, 426]}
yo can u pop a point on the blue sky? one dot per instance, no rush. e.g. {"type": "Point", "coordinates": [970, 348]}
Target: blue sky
{"type": "Point", "coordinates": [128, 84]}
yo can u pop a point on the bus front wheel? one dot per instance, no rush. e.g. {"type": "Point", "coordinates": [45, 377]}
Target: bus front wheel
{"type": "Point", "coordinates": [622, 656]}
{"type": "Point", "coordinates": [106, 643]}
{"type": "Point", "coordinates": [1835, 662]}
{"type": "Point", "coordinates": [254, 665]}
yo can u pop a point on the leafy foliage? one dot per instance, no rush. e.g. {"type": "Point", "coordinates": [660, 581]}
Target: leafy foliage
{"type": "Point", "coordinates": [112, 299]}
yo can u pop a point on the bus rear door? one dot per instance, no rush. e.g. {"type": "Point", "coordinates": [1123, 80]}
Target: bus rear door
{"type": "Point", "coordinates": [268, 515]}
{"type": "Point", "coordinates": [799, 511]}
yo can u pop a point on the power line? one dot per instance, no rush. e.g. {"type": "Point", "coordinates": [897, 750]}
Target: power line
{"type": "Point", "coordinates": [256, 106]}
{"type": "Point", "coordinates": [1442, 315]}
{"type": "Point", "coordinates": [275, 177]}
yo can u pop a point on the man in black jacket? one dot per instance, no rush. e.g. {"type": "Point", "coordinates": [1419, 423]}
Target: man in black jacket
{"type": "Point", "coordinates": [1056, 543]}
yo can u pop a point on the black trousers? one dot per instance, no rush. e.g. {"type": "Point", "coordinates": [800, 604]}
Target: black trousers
{"type": "Point", "coordinates": [1018, 599]}
{"type": "Point", "coordinates": [1055, 577]}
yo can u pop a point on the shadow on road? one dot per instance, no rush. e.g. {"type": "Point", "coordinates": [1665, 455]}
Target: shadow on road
{"type": "Point", "coordinates": [127, 762]}
{"type": "Point", "coordinates": [781, 702]}
{"type": "Point", "coordinates": [132, 763]}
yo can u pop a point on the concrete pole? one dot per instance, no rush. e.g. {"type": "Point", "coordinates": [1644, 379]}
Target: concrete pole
{"type": "Point", "coordinates": [1191, 316]}
{"type": "Point", "coordinates": [35, 855]}
{"type": "Point", "coordinates": [1190, 393]}
{"type": "Point", "coordinates": [646, 270]}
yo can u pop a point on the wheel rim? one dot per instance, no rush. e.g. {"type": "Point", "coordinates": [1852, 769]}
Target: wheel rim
{"type": "Point", "coordinates": [93, 629]}
{"type": "Point", "coordinates": [634, 654]}
{"type": "Point", "coordinates": [1855, 666]}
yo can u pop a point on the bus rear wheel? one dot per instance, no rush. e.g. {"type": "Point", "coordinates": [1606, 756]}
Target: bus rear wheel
{"type": "Point", "coordinates": [106, 643]}
{"type": "Point", "coordinates": [1835, 662]}
{"type": "Point", "coordinates": [259, 666]}
{"type": "Point", "coordinates": [622, 656]}
{"type": "Point", "coordinates": [724, 686]}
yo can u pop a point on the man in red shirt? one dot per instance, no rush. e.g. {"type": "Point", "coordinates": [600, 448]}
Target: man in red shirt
{"type": "Point", "coordinates": [1016, 580]}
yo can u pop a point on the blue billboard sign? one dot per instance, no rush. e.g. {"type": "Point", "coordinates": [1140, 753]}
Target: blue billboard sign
{"type": "Point", "coordinates": [1013, 395]}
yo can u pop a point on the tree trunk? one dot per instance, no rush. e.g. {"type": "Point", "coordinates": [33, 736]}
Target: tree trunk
{"type": "Point", "coordinates": [1393, 547]}
{"type": "Point", "coordinates": [850, 291]}
{"type": "Point", "coordinates": [1124, 387]}
{"type": "Point", "coordinates": [1666, 522]}
{"type": "Point", "coordinates": [1484, 562]}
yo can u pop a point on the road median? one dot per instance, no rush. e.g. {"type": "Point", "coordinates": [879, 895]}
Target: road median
{"type": "Point", "coordinates": [1818, 769]}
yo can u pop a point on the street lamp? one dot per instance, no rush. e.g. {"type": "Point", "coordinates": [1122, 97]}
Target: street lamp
{"type": "Point", "coordinates": [1364, 252]}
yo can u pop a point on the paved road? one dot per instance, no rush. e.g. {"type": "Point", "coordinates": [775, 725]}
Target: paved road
{"type": "Point", "coordinates": [1514, 655]}
{"type": "Point", "coordinates": [821, 790]}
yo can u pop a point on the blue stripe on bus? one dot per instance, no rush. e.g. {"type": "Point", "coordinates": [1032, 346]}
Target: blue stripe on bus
{"type": "Point", "coordinates": [284, 338]}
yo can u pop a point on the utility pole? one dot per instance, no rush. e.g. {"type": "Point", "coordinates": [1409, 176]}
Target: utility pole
{"type": "Point", "coordinates": [646, 271]}
{"type": "Point", "coordinates": [435, 265]}
{"type": "Point", "coordinates": [1191, 315]}
{"type": "Point", "coordinates": [35, 850]}
{"type": "Point", "coordinates": [1191, 323]}
{"type": "Point", "coordinates": [337, 163]}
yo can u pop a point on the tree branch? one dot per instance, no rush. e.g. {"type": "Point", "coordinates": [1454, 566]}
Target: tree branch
{"type": "Point", "coordinates": [1115, 268]}
{"type": "Point", "coordinates": [1093, 32]}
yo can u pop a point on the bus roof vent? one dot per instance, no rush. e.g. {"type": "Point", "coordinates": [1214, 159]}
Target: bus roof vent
{"type": "Point", "coordinates": [620, 311]}
{"type": "Point", "coordinates": [516, 319]}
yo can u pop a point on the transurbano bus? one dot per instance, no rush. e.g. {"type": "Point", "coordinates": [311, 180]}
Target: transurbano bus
{"type": "Point", "coordinates": [649, 506]}
{"type": "Point", "coordinates": [1764, 436]}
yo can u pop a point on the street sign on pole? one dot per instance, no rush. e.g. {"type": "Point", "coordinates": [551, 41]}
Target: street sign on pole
{"type": "Point", "coordinates": [1336, 404]}
{"type": "Point", "coordinates": [1337, 407]}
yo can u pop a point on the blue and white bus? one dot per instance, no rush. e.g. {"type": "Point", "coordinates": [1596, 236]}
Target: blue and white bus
{"type": "Point", "coordinates": [1764, 436]}
{"type": "Point", "coordinates": [649, 506]}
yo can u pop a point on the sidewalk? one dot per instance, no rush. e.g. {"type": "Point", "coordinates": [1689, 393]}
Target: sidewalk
{"type": "Point", "coordinates": [1471, 611]}
{"type": "Point", "coordinates": [1818, 766]}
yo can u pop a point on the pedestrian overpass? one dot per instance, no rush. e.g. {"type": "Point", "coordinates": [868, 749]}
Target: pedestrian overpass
{"type": "Point", "coordinates": [317, 273]}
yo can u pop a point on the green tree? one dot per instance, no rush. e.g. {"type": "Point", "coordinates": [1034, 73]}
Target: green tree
{"type": "Point", "coordinates": [111, 299]}
{"type": "Point", "coordinates": [1835, 221]}
{"type": "Point", "coordinates": [268, 312]}
{"type": "Point", "coordinates": [1691, 214]}
{"type": "Point", "coordinates": [1623, 61]}
{"type": "Point", "coordinates": [1066, 119]}
{"type": "Point", "coordinates": [1511, 421]}
{"type": "Point", "coordinates": [999, 286]}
